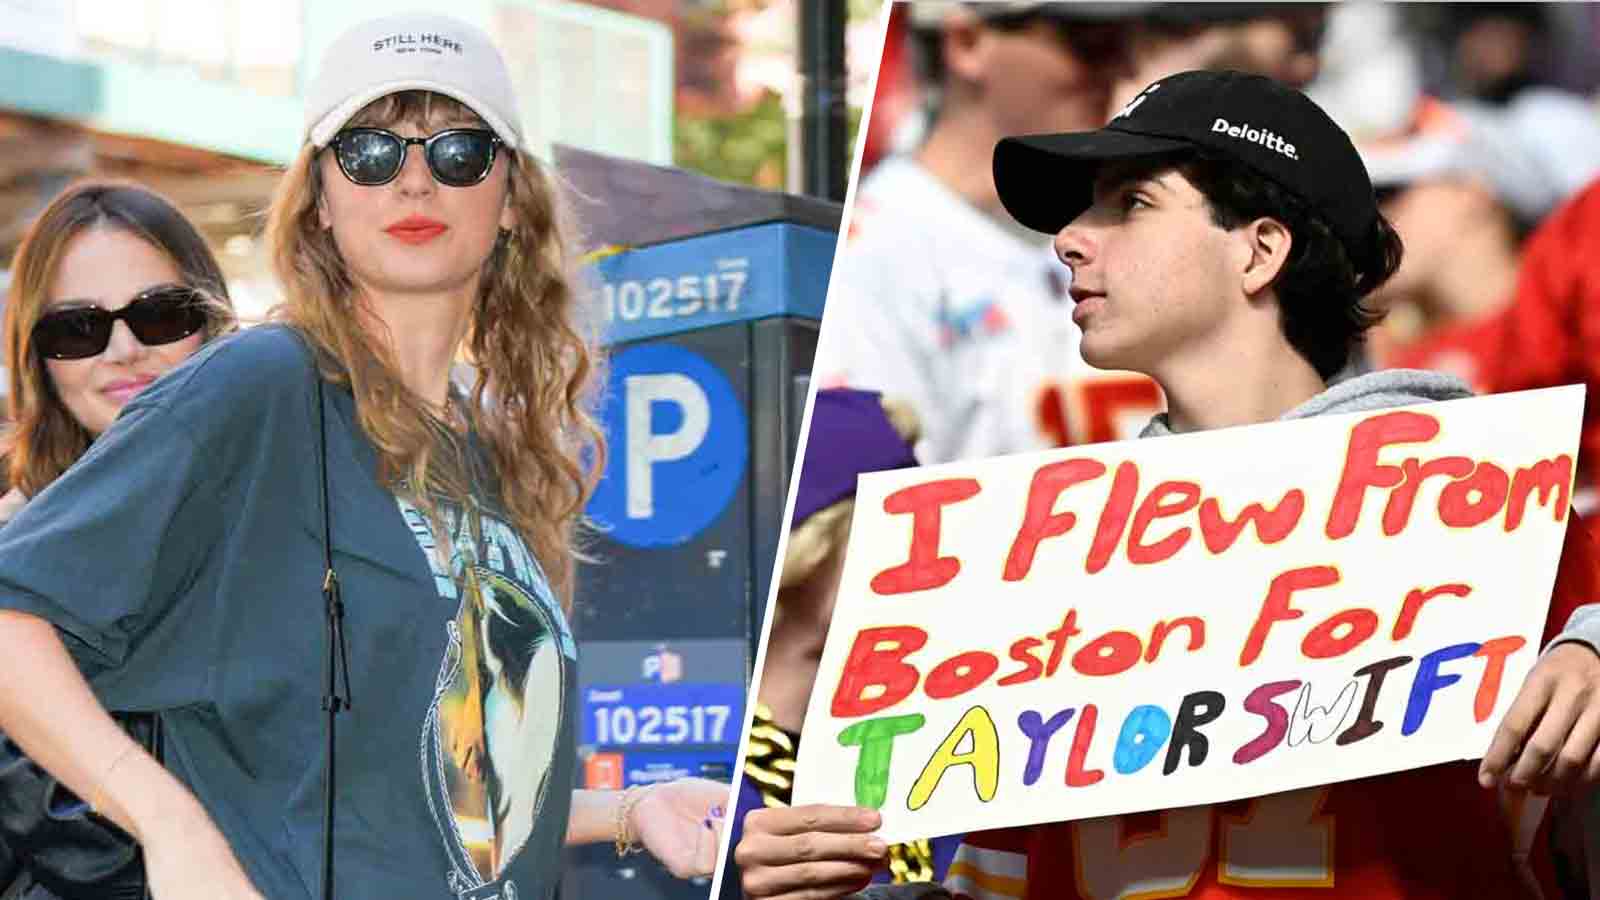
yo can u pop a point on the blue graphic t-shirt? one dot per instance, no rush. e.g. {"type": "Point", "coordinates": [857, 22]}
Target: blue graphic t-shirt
{"type": "Point", "coordinates": [181, 562]}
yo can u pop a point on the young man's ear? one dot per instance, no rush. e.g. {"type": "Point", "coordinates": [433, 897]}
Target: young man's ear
{"type": "Point", "coordinates": [1269, 242]}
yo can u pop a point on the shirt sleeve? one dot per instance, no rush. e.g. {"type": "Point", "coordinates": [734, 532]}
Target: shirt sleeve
{"type": "Point", "coordinates": [1575, 602]}
{"type": "Point", "coordinates": [106, 546]}
{"type": "Point", "coordinates": [990, 865]}
{"type": "Point", "coordinates": [881, 333]}
{"type": "Point", "coordinates": [114, 545]}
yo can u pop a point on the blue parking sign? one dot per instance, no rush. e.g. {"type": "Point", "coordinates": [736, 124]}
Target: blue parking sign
{"type": "Point", "coordinates": [678, 444]}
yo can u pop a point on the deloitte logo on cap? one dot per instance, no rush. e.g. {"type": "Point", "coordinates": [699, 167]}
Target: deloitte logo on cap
{"type": "Point", "coordinates": [1255, 136]}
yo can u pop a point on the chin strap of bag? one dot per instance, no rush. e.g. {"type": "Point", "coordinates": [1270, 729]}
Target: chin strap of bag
{"type": "Point", "coordinates": [336, 667]}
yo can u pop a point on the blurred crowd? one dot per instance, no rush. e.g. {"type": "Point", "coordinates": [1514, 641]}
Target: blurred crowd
{"type": "Point", "coordinates": [1479, 124]}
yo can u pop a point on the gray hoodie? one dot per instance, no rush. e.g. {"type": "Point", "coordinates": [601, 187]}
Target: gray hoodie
{"type": "Point", "coordinates": [1401, 387]}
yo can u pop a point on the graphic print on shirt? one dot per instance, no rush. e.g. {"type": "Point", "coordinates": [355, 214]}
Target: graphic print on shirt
{"type": "Point", "coordinates": [493, 726]}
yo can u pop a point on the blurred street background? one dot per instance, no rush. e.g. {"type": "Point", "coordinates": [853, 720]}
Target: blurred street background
{"type": "Point", "coordinates": [201, 98]}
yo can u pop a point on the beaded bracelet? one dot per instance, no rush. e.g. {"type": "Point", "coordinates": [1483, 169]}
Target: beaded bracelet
{"type": "Point", "coordinates": [630, 798]}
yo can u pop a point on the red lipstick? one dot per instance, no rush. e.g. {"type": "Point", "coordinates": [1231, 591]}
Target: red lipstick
{"type": "Point", "coordinates": [416, 229]}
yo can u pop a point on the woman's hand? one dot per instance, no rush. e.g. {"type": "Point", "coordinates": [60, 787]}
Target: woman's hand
{"type": "Point", "coordinates": [809, 852]}
{"type": "Point", "coordinates": [680, 823]}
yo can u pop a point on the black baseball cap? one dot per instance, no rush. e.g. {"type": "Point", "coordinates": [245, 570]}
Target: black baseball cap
{"type": "Point", "coordinates": [1047, 180]}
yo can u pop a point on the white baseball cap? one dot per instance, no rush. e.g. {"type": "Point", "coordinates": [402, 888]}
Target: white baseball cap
{"type": "Point", "coordinates": [1532, 152]}
{"type": "Point", "coordinates": [411, 52]}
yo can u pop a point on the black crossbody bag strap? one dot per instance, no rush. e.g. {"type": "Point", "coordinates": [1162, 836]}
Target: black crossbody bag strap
{"type": "Point", "coordinates": [336, 667]}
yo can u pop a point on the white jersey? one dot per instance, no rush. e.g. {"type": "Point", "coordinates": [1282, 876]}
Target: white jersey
{"type": "Point", "coordinates": [967, 320]}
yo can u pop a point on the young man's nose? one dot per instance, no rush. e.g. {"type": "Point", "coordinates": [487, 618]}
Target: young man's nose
{"type": "Point", "coordinates": [1075, 246]}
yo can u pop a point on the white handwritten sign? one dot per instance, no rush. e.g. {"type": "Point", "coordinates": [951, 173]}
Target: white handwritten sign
{"type": "Point", "coordinates": [1195, 619]}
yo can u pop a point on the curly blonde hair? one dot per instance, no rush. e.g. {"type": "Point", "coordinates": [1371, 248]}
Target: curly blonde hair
{"type": "Point", "coordinates": [44, 438]}
{"type": "Point", "coordinates": [532, 394]}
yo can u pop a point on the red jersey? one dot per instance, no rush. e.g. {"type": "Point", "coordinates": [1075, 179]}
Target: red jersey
{"type": "Point", "coordinates": [1426, 834]}
{"type": "Point", "coordinates": [1472, 351]}
{"type": "Point", "coordinates": [1552, 328]}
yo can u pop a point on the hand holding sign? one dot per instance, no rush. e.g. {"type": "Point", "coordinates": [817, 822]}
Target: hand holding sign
{"type": "Point", "coordinates": [815, 852]}
{"type": "Point", "coordinates": [1198, 619]}
{"type": "Point", "coordinates": [1549, 739]}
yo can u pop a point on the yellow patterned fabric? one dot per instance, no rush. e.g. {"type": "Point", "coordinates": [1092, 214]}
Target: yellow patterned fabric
{"type": "Point", "coordinates": [770, 761]}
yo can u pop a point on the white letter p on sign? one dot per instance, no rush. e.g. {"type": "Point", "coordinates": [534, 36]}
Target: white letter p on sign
{"type": "Point", "coordinates": [645, 448]}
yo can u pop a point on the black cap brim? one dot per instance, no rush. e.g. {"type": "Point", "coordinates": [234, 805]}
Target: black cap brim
{"type": "Point", "coordinates": [1047, 180]}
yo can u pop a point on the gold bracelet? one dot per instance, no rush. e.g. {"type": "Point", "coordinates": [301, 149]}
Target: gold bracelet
{"type": "Point", "coordinates": [97, 790]}
{"type": "Point", "coordinates": [630, 798]}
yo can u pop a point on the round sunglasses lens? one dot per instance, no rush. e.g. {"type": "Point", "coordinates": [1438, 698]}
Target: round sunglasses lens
{"type": "Point", "coordinates": [165, 315]}
{"type": "Point", "coordinates": [462, 158]}
{"type": "Point", "coordinates": [369, 157]}
{"type": "Point", "coordinates": [72, 333]}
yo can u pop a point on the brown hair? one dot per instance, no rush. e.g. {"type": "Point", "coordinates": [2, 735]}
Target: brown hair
{"type": "Point", "coordinates": [531, 397]}
{"type": "Point", "coordinates": [44, 438]}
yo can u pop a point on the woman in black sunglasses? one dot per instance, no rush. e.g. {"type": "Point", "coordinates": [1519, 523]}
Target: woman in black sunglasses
{"type": "Point", "coordinates": [101, 253]}
{"type": "Point", "coordinates": [414, 229]}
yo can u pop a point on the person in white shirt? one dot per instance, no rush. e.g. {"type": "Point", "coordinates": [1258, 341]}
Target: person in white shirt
{"type": "Point", "coordinates": [937, 296]}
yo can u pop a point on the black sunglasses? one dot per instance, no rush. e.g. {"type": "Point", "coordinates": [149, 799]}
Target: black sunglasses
{"type": "Point", "coordinates": [458, 157]}
{"type": "Point", "coordinates": [160, 315]}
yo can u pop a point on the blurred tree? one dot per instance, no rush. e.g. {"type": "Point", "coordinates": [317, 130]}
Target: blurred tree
{"type": "Point", "coordinates": [748, 146]}
{"type": "Point", "coordinates": [865, 10]}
